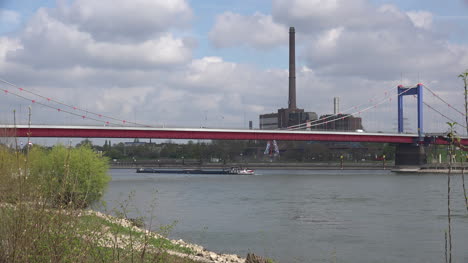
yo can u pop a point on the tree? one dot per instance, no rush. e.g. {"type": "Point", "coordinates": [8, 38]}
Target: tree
{"type": "Point", "coordinates": [453, 140]}
{"type": "Point", "coordinates": [389, 151]}
{"type": "Point", "coordinates": [464, 77]}
{"type": "Point", "coordinates": [86, 142]}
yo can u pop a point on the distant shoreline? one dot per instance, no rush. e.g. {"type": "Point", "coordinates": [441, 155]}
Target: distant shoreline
{"type": "Point", "coordinates": [266, 166]}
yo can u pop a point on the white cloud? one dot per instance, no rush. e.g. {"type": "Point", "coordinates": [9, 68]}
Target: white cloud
{"type": "Point", "coordinates": [317, 15]}
{"type": "Point", "coordinates": [50, 43]}
{"type": "Point", "coordinates": [122, 100]}
{"type": "Point", "coordinates": [328, 40]}
{"type": "Point", "coordinates": [7, 45]}
{"type": "Point", "coordinates": [211, 72]}
{"type": "Point", "coordinates": [258, 30]}
{"type": "Point", "coordinates": [166, 50]}
{"type": "Point", "coordinates": [421, 19]}
{"type": "Point", "coordinates": [382, 54]}
{"type": "Point", "coordinates": [126, 20]}
{"type": "Point", "coordinates": [307, 8]}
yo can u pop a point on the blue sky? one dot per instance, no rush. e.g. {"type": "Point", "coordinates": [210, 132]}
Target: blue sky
{"type": "Point", "coordinates": [24, 8]}
{"type": "Point", "coordinates": [214, 62]}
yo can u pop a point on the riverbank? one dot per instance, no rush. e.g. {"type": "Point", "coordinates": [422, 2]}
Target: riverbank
{"type": "Point", "coordinates": [99, 237]}
{"type": "Point", "coordinates": [178, 248]}
{"type": "Point", "coordinates": [265, 165]}
{"type": "Point", "coordinates": [428, 170]}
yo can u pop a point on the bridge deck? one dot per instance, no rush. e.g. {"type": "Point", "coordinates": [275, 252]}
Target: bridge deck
{"type": "Point", "coordinates": [205, 133]}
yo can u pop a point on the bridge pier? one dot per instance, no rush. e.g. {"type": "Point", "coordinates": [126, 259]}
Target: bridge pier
{"type": "Point", "coordinates": [410, 154]}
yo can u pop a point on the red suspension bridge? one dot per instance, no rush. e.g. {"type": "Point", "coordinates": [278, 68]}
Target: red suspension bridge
{"type": "Point", "coordinates": [388, 97]}
{"type": "Point", "coordinates": [215, 134]}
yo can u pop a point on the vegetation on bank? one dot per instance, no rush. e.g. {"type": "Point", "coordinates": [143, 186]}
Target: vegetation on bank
{"type": "Point", "coordinates": [42, 193]}
{"type": "Point", "coordinates": [251, 151]}
{"type": "Point", "coordinates": [226, 151]}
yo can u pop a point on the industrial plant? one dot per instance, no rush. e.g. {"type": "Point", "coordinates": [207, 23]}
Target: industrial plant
{"type": "Point", "coordinates": [292, 116]}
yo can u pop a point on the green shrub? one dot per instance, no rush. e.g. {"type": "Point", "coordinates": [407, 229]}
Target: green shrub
{"type": "Point", "coordinates": [69, 176]}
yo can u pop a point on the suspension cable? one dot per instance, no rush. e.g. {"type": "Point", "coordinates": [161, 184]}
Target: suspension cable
{"type": "Point", "coordinates": [58, 109]}
{"type": "Point", "coordinates": [300, 126]}
{"type": "Point", "coordinates": [67, 105]}
{"type": "Point", "coordinates": [443, 115]}
{"type": "Point", "coordinates": [444, 101]}
{"type": "Point", "coordinates": [342, 112]}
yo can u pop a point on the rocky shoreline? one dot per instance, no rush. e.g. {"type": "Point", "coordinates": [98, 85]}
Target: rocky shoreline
{"type": "Point", "coordinates": [200, 254]}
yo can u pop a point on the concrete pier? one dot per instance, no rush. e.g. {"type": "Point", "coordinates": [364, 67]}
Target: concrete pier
{"type": "Point", "coordinates": [410, 154]}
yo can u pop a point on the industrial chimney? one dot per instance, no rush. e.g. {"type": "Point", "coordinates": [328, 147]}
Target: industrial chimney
{"type": "Point", "coordinates": [292, 70]}
{"type": "Point", "coordinates": [336, 105]}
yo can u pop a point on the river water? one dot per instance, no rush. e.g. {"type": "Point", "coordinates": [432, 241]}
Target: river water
{"type": "Point", "coordinates": [303, 215]}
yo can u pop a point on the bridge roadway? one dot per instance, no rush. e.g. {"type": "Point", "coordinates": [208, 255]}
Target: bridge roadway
{"type": "Point", "coordinates": [206, 133]}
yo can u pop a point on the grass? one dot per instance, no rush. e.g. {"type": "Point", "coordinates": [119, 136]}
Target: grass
{"type": "Point", "coordinates": [108, 253]}
{"type": "Point", "coordinates": [33, 234]}
{"type": "Point", "coordinates": [116, 228]}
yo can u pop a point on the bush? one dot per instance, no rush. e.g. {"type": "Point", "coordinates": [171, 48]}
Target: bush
{"type": "Point", "coordinates": [68, 176]}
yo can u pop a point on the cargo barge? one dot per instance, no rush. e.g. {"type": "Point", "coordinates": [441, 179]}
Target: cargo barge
{"type": "Point", "coordinates": [233, 170]}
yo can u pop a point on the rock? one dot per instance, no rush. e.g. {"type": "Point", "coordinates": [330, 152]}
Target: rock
{"type": "Point", "coordinates": [213, 256]}
{"type": "Point", "coordinates": [232, 258]}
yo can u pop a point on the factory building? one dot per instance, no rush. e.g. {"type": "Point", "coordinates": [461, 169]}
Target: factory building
{"type": "Point", "coordinates": [284, 118]}
{"type": "Point", "coordinates": [269, 121]}
{"type": "Point", "coordinates": [339, 122]}
{"type": "Point", "coordinates": [288, 118]}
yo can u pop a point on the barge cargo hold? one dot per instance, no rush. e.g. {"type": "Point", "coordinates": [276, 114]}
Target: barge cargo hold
{"type": "Point", "coordinates": [196, 171]}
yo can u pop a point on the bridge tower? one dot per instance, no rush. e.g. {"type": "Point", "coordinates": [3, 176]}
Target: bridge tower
{"type": "Point", "coordinates": [413, 154]}
{"type": "Point", "coordinates": [417, 90]}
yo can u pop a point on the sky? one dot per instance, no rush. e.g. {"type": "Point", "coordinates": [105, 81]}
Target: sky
{"type": "Point", "coordinates": [187, 63]}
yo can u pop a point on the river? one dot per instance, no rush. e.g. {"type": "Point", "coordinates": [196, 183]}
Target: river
{"type": "Point", "coordinates": [303, 215]}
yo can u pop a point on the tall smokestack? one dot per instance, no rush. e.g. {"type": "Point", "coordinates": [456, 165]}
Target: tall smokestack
{"type": "Point", "coordinates": [292, 70]}
{"type": "Point", "coordinates": [336, 105]}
